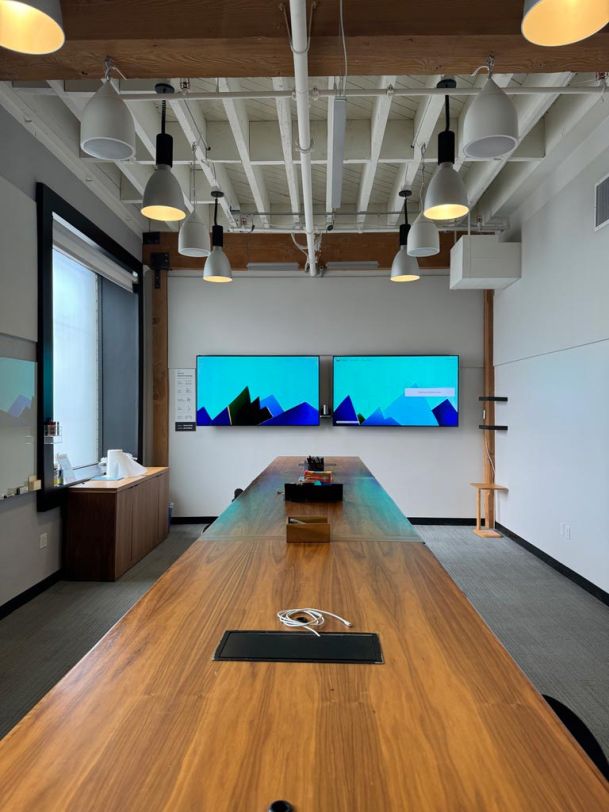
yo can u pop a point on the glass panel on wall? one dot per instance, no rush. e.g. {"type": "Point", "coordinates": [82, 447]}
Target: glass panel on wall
{"type": "Point", "coordinates": [76, 388]}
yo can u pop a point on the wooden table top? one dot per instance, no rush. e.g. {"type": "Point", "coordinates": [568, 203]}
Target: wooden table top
{"type": "Point", "coordinates": [114, 485]}
{"type": "Point", "coordinates": [367, 512]}
{"type": "Point", "coordinates": [148, 721]}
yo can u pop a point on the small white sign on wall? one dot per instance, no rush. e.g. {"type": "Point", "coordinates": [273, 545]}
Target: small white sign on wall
{"type": "Point", "coordinates": [184, 400]}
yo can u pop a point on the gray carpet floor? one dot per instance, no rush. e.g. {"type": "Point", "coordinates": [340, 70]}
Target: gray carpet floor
{"type": "Point", "coordinates": [556, 632]}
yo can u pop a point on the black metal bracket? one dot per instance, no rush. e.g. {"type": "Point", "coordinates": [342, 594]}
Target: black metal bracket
{"type": "Point", "coordinates": [492, 428]}
{"type": "Point", "coordinates": [159, 261]}
{"type": "Point", "coordinates": [492, 399]}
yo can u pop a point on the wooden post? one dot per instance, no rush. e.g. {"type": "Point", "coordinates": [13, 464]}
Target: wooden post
{"type": "Point", "coordinates": [160, 374]}
{"type": "Point", "coordinates": [488, 439]}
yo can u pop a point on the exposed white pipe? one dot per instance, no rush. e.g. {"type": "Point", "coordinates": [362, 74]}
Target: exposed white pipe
{"type": "Point", "coordinates": [300, 50]}
{"type": "Point", "coordinates": [319, 93]}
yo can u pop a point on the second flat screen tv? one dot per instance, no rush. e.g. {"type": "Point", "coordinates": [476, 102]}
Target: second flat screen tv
{"type": "Point", "coordinates": [396, 390]}
{"type": "Point", "coordinates": [257, 390]}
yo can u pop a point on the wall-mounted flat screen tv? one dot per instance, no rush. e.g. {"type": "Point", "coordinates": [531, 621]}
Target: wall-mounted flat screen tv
{"type": "Point", "coordinates": [257, 390]}
{"type": "Point", "coordinates": [396, 390]}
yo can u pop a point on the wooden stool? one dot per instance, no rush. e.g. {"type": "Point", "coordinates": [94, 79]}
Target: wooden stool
{"type": "Point", "coordinates": [487, 531]}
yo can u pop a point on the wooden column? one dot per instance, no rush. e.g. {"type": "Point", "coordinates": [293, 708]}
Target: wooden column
{"type": "Point", "coordinates": [160, 374]}
{"type": "Point", "coordinates": [488, 452]}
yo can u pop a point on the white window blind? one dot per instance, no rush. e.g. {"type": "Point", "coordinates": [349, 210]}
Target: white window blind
{"type": "Point", "coordinates": [76, 390]}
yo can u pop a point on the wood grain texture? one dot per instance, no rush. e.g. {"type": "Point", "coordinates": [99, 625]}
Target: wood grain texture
{"type": "Point", "coordinates": [156, 38]}
{"type": "Point", "coordinates": [244, 248]}
{"type": "Point", "coordinates": [369, 54]}
{"type": "Point", "coordinates": [148, 721]}
{"type": "Point", "coordinates": [118, 484]}
{"type": "Point", "coordinates": [488, 437]}
{"type": "Point", "coordinates": [110, 526]}
{"type": "Point", "coordinates": [366, 512]}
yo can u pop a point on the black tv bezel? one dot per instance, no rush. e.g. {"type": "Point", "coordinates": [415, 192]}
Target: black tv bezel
{"type": "Point", "coordinates": [401, 355]}
{"type": "Point", "coordinates": [263, 355]}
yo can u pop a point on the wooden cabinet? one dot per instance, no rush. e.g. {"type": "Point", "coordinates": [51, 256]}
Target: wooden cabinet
{"type": "Point", "coordinates": [113, 525]}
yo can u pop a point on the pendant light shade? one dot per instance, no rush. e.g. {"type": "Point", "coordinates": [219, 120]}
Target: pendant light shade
{"type": "Point", "coordinates": [423, 238]}
{"type": "Point", "coordinates": [217, 266]}
{"type": "Point", "coordinates": [193, 240]}
{"type": "Point", "coordinates": [31, 26]}
{"type": "Point", "coordinates": [404, 268]}
{"type": "Point", "coordinates": [163, 198]}
{"type": "Point", "coordinates": [561, 22]}
{"type": "Point", "coordinates": [446, 198]}
{"type": "Point", "coordinates": [107, 130]}
{"type": "Point", "coordinates": [490, 129]}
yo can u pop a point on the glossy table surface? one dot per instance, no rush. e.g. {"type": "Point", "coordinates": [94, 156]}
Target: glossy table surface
{"type": "Point", "coordinates": [149, 721]}
{"type": "Point", "coordinates": [366, 513]}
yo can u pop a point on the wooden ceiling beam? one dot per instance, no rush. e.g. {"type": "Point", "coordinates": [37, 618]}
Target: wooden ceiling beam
{"type": "Point", "coordinates": [240, 38]}
{"type": "Point", "coordinates": [259, 56]}
{"type": "Point", "coordinates": [244, 248]}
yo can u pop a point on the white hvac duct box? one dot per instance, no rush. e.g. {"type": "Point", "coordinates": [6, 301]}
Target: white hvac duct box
{"type": "Point", "coordinates": [480, 262]}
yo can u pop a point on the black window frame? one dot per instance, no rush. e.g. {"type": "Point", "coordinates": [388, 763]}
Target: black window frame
{"type": "Point", "coordinates": [50, 204]}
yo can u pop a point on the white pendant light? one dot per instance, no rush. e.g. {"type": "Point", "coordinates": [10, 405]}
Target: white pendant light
{"type": "Point", "coordinates": [404, 268]}
{"type": "Point", "coordinates": [446, 198]}
{"type": "Point", "coordinates": [490, 129]}
{"type": "Point", "coordinates": [423, 238]}
{"type": "Point", "coordinates": [107, 130]}
{"type": "Point", "coordinates": [163, 198]}
{"type": "Point", "coordinates": [562, 22]}
{"type": "Point", "coordinates": [31, 26]}
{"type": "Point", "coordinates": [217, 266]}
{"type": "Point", "coordinates": [193, 240]}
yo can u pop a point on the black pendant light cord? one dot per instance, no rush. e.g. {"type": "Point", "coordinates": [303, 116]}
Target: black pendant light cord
{"type": "Point", "coordinates": [446, 113]}
{"type": "Point", "coordinates": [164, 141]}
{"type": "Point", "coordinates": [216, 212]}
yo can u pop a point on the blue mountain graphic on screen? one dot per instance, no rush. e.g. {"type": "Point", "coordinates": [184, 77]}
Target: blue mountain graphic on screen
{"type": "Point", "coordinates": [243, 411]}
{"type": "Point", "coordinates": [446, 414]}
{"type": "Point", "coordinates": [272, 404]}
{"type": "Point", "coordinates": [345, 412]}
{"type": "Point", "coordinates": [302, 415]}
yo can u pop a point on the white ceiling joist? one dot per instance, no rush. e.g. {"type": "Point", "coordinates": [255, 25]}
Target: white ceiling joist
{"type": "Point", "coordinates": [284, 116]}
{"type": "Point", "coordinates": [194, 127]}
{"type": "Point", "coordinates": [239, 122]}
{"type": "Point", "coordinates": [425, 121]}
{"type": "Point", "coordinates": [573, 124]}
{"type": "Point", "coordinates": [94, 176]}
{"type": "Point", "coordinates": [380, 114]}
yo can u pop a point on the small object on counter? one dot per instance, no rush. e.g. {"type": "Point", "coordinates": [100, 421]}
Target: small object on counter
{"type": "Point", "coordinates": [315, 463]}
{"type": "Point", "coordinates": [320, 476]}
{"type": "Point", "coordinates": [309, 529]}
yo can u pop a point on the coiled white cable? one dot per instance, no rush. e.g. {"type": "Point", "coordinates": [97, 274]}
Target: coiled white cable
{"type": "Point", "coordinates": [316, 617]}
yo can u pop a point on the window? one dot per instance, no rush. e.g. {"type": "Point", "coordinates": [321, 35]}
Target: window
{"type": "Point", "coordinates": [76, 356]}
{"type": "Point", "coordinates": [90, 371]}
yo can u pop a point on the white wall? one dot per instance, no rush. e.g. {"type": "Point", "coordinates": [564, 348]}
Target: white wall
{"type": "Point", "coordinates": [26, 161]}
{"type": "Point", "coordinates": [552, 361]}
{"type": "Point", "coordinates": [427, 471]}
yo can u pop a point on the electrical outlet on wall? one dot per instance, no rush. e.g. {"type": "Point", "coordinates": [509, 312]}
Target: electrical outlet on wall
{"type": "Point", "coordinates": [43, 540]}
{"type": "Point", "coordinates": [568, 532]}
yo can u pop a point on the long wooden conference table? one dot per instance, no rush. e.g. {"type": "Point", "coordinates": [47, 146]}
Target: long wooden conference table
{"type": "Point", "coordinates": [149, 721]}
